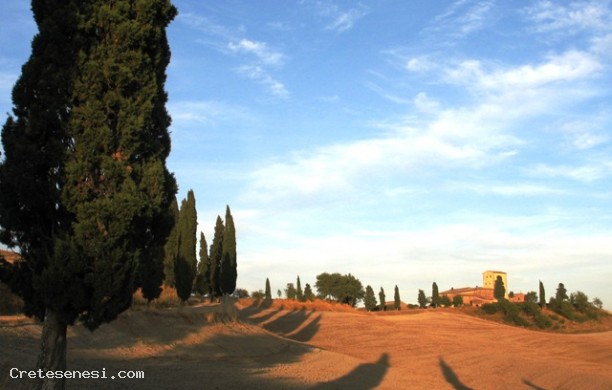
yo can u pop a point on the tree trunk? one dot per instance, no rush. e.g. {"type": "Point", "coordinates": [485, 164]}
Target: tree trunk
{"type": "Point", "coordinates": [52, 350]}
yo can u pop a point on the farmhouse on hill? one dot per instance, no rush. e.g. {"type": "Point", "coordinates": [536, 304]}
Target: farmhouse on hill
{"type": "Point", "coordinates": [477, 296]}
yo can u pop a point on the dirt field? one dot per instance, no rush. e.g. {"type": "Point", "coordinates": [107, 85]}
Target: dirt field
{"type": "Point", "coordinates": [277, 348]}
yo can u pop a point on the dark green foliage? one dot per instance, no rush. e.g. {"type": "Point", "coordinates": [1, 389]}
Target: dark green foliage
{"type": "Point", "coordinates": [542, 295]}
{"type": "Point", "coordinates": [457, 301]}
{"type": "Point", "coordinates": [533, 309]}
{"type": "Point", "coordinates": [216, 255]}
{"type": "Point", "coordinates": [396, 299]}
{"type": "Point", "coordinates": [435, 296]}
{"type": "Point", "coordinates": [290, 291]}
{"type": "Point", "coordinates": [241, 293]}
{"type": "Point", "coordinates": [369, 300]}
{"type": "Point", "coordinates": [445, 301]}
{"type": "Point", "coordinates": [308, 294]}
{"type": "Point", "coordinates": [202, 284]}
{"type": "Point", "coordinates": [268, 293]}
{"type": "Point", "coordinates": [499, 290]}
{"type": "Point", "coordinates": [84, 188]}
{"type": "Point", "coordinates": [561, 293]}
{"type": "Point", "coordinates": [597, 303]}
{"type": "Point", "coordinates": [343, 288]}
{"type": "Point", "coordinates": [382, 299]}
{"type": "Point", "coordinates": [422, 299]}
{"type": "Point", "coordinates": [299, 293]}
{"type": "Point", "coordinates": [531, 296]}
{"type": "Point", "coordinates": [490, 308]}
{"type": "Point", "coordinates": [259, 295]}
{"type": "Point", "coordinates": [228, 269]}
{"type": "Point", "coordinates": [83, 184]}
{"type": "Point", "coordinates": [171, 246]}
{"type": "Point", "coordinates": [185, 265]}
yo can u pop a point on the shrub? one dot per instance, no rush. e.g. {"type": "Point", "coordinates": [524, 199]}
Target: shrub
{"type": "Point", "coordinates": [490, 308]}
{"type": "Point", "coordinates": [9, 302]}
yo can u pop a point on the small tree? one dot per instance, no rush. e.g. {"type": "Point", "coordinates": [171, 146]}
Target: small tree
{"type": "Point", "coordinates": [532, 297]}
{"type": "Point", "coordinates": [422, 299]}
{"type": "Point", "coordinates": [383, 299]}
{"type": "Point", "coordinates": [290, 291]}
{"type": "Point", "coordinates": [445, 301]}
{"type": "Point", "coordinates": [279, 293]}
{"type": "Point", "coordinates": [499, 291]}
{"type": "Point", "coordinates": [369, 300]}
{"type": "Point", "coordinates": [561, 294]}
{"type": "Point", "coordinates": [308, 294]}
{"type": "Point", "coordinates": [396, 299]}
{"type": "Point", "coordinates": [268, 293]}
{"type": "Point", "coordinates": [457, 301]}
{"type": "Point", "coordinates": [435, 296]}
{"type": "Point", "coordinates": [597, 303]}
{"type": "Point", "coordinates": [542, 295]}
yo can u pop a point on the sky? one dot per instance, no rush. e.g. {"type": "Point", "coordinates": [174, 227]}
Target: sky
{"type": "Point", "coordinates": [403, 142]}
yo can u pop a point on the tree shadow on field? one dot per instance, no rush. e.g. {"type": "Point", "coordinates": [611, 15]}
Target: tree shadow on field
{"type": "Point", "coordinates": [299, 325]}
{"type": "Point", "coordinates": [365, 376]}
{"type": "Point", "coordinates": [532, 385]}
{"type": "Point", "coordinates": [451, 377]}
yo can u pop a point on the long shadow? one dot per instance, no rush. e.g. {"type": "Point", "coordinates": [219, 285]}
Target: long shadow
{"type": "Point", "coordinates": [308, 331]}
{"type": "Point", "coordinates": [532, 385]}
{"type": "Point", "coordinates": [365, 376]}
{"type": "Point", "coordinates": [451, 377]}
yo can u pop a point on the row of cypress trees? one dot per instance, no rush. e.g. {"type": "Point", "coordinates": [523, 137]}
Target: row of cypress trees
{"type": "Point", "coordinates": [216, 272]}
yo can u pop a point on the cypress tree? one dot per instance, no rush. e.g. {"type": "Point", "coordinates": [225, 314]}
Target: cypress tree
{"type": "Point", "coordinates": [383, 299]}
{"type": "Point", "coordinates": [299, 292]}
{"type": "Point", "coordinates": [185, 266]}
{"type": "Point", "coordinates": [396, 299]}
{"type": "Point", "coordinates": [422, 299]}
{"type": "Point", "coordinates": [84, 190]}
{"type": "Point", "coordinates": [228, 268]}
{"type": "Point", "coordinates": [369, 300]}
{"type": "Point", "coordinates": [499, 290]}
{"type": "Point", "coordinates": [268, 293]}
{"type": "Point", "coordinates": [308, 294]}
{"type": "Point", "coordinates": [216, 254]}
{"type": "Point", "coordinates": [171, 246]}
{"type": "Point", "coordinates": [203, 278]}
{"type": "Point", "coordinates": [435, 296]}
{"type": "Point", "coordinates": [542, 295]}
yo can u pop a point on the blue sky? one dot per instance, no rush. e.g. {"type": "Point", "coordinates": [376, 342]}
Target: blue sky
{"type": "Point", "coordinates": [403, 142]}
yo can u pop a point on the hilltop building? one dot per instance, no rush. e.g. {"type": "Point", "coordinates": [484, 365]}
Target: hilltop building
{"type": "Point", "coordinates": [477, 296]}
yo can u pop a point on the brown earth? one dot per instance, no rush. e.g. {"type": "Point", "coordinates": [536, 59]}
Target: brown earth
{"type": "Point", "coordinates": [316, 347]}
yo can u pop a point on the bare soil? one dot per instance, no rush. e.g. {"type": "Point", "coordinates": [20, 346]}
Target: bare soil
{"type": "Point", "coordinates": [315, 347]}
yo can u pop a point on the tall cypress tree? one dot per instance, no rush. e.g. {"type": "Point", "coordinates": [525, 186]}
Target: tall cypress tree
{"type": "Point", "coordinates": [299, 293]}
{"type": "Point", "coordinates": [435, 295]}
{"type": "Point", "coordinates": [383, 299]}
{"type": "Point", "coordinates": [171, 246]}
{"type": "Point", "coordinates": [396, 299]}
{"type": "Point", "coordinates": [268, 294]}
{"type": "Point", "coordinates": [185, 266]}
{"type": "Point", "coordinates": [542, 295]}
{"type": "Point", "coordinates": [216, 254]}
{"type": "Point", "coordinates": [84, 190]}
{"type": "Point", "coordinates": [203, 278]}
{"type": "Point", "coordinates": [228, 268]}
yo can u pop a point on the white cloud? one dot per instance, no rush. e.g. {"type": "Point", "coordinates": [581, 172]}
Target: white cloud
{"type": "Point", "coordinates": [259, 74]}
{"type": "Point", "coordinates": [420, 64]}
{"type": "Point", "coordinates": [570, 17]}
{"type": "Point", "coordinates": [187, 113]}
{"type": "Point", "coordinates": [462, 18]}
{"type": "Point", "coordinates": [425, 104]}
{"type": "Point", "coordinates": [260, 49]}
{"type": "Point", "coordinates": [584, 173]}
{"type": "Point", "coordinates": [345, 20]}
{"type": "Point", "coordinates": [570, 66]}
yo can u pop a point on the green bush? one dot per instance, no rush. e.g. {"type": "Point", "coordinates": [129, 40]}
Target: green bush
{"type": "Point", "coordinates": [490, 308]}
